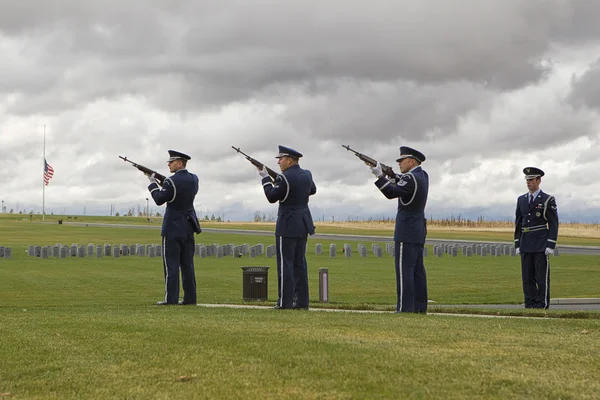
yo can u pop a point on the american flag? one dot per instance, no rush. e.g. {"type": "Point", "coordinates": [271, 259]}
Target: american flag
{"type": "Point", "coordinates": [48, 172]}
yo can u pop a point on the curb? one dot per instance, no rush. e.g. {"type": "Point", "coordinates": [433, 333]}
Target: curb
{"type": "Point", "coordinates": [589, 300]}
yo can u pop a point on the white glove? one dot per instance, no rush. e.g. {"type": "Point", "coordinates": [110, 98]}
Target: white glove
{"type": "Point", "coordinates": [517, 251]}
{"type": "Point", "coordinates": [376, 170]}
{"type": "Point", "coordinates": [549, 251]}
{"type": "Point", "coordinates": [151, 178]}
{"type": "Point", "coordinates": [263, 172]}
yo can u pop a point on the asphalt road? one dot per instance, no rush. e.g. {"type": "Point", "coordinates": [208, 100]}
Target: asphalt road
{"type": "Point", "coordinates": [563, 249]}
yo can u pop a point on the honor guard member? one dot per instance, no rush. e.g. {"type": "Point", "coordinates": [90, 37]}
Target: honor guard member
{"type": "Point", "coordinates": [292, 189]}
{"type": "Point", "coordinates": [536, 232]}
{"type": "Point", "coordinates": [180, 223]}
{"type": "Point", "coordinates": [410, 188]}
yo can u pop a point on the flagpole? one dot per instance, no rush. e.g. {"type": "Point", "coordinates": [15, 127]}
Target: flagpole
{"type": "Point", "coordinates": [43, 183]}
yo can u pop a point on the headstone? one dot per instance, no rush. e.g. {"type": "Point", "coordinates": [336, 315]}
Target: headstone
{"type": "Point", "coordinates": [362, 250]}
{"type": "Point", "coordinates": [132, 250]}
{"type": "Point", "coordinates": [484, 251]}
{"type": "Point", "coordinates": [506, 250]}
{"type": "Point", "coordinates": [38, 251]}
{"type": "Point", "coordinates": [64, 251]}
{"type": "Point", "coordinates": [107, 250]}
{"type": "Point", "coordinates": [116, 252]}
{"type": "Point", "coordinates": [347, 250]}
{"type": "Point", "coordinates": [203, 252]}
{"type": "Point", "coordinates": [454, 252]}
{"type": "Point", "coordinates": [99, 252]}
{"type": "Point", "coordinates": [31, 251]}
{"type": "Point", "coordinates": [56, 251]}
{"type": "Point", "coordinates": [148, 246]}
{"type": "Point", "coordinates": [81, 251]}
{"type": "Point", "coordinates": [332, 250]}
{"type": "Point", "coordinates": [141, 250]}
{"type": "Point", "coordinates": [440, 251]}
{"type": "Point", "coordinates": [152, 252]}
{"type": "Point", "coordinates": [158, 250]}
{"type": "Point", "coordinates": [7, 252]}
{"type": "Point", "coordinates": [260, 249]}
{"type": "Point", "coordinates": [425, 251]}
{"type": "Point", "coordinates": [1, 251]}
{"type": "Point", "coordinates": [219, 252]}
{"type": "Point", "coordinates": [318, 249]}
{"type": "Point", "coordinates": [44, 252]}
{"type": "Point", "coordinates": [556, 252]}
{"type": "Point", "coordinates": [125, 250]}
{"type": "Point", "coordinates": [469, 251]}
{"type": "Point", "coordinates": [270, 251]}
{"type": "Point", "coordinates": [378, 251]}
{"type": "Point", "coordinates": [478, 250]}
{"type": "Point", "coordinates": [74, 248]}
{"type": "Point", "coordinates": [90, 250]}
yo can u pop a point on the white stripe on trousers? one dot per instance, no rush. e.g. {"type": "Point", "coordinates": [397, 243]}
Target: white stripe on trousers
{"type": "Point", "coordinates": [164, 252]}
{"type": "Point", "coordinates": [547, 281]}
{"type": "Point", "coordinates": [401, 277]}
{"type": "Point", "coordinates": [281, 273]}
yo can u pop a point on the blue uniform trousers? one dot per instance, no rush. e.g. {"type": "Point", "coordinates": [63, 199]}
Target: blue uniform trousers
{"type": "Point", "coordinates": [411, 279]}
{"type": "Point", "coordinates": [178, 252]}
{"type": "Point", "coordinates": [292, 272]}
{"type": "Point", "coordinates": [535, 271]}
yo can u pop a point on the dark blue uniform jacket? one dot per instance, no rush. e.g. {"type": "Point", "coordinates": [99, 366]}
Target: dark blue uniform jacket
{"type": "Point", "coordinates": [178, 191]}
{"type": "Point", "coordinates": [536, 226]}
{"type": "Point", "coordinates": [292, 189]}
{"type": "Point", "coordinates": [411, 190]}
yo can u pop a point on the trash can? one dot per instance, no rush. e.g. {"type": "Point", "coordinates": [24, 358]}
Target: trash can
{"type": "Point", "coordinates": [255, 282]}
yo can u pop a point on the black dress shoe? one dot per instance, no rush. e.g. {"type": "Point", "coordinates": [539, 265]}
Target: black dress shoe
{"type": "Point", "coordinates": [186, 303]}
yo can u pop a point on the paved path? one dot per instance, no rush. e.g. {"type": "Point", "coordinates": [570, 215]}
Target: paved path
{"type": "Point", "coordinates": [240, 306]}
{"type": "Point", "coordinates": [564, 249]}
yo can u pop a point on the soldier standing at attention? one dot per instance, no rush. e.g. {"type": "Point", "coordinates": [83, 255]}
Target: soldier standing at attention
{"type": "Point", "coordinates": [179, 225]}
{"type": "Point", "coordinates": [411, 189]}
{"type": "Point", "coordinates": [536, 232]}
{"type": "Point", "coordinates": [292, 189]}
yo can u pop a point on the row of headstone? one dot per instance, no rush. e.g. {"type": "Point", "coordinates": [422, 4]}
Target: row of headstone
{"type": "Point", "coordinates": [347, 249]}
{"type": "Point", "coordinates": [81, 251]}
{"type": "Point", "coordinates": [476, 249]}
{"type": "Point", "coordinates": [5, 252]}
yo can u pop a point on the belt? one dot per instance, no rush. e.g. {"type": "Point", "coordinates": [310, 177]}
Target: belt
{"type": "Point", "coordinates": [534, 228]}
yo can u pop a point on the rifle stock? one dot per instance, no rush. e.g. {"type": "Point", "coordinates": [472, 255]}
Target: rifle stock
{"type": "Point", "coordinates": [160, 179]}
{"type": "Point", "coordinates": [256, 163]}
{"type": "Point", "coordinates": [387, 170]}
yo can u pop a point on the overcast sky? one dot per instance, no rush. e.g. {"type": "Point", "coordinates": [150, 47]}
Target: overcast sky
{"type": "Point", "coordinates": [482, 88]}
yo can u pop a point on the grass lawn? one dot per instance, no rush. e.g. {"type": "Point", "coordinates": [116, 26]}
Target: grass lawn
{"type": "Point", "coordinates": [85, 328]}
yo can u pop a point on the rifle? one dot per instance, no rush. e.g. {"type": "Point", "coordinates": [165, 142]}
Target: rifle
{"type": "Point", "coordinates": [387, 170]}
{"type": "Point", "coordinates": [159, 178]}
{"type": "Point", "coordinates": [256, 163]}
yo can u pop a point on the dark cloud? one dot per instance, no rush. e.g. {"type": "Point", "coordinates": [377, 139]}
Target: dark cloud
{"type": "Point", "coordinates": [586, 88]}
{"type": "Point", "coordinates": [188, 55]}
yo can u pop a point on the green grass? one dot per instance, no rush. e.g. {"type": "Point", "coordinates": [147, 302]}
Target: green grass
{"type": "Point", "coordinates": [85, 328]}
